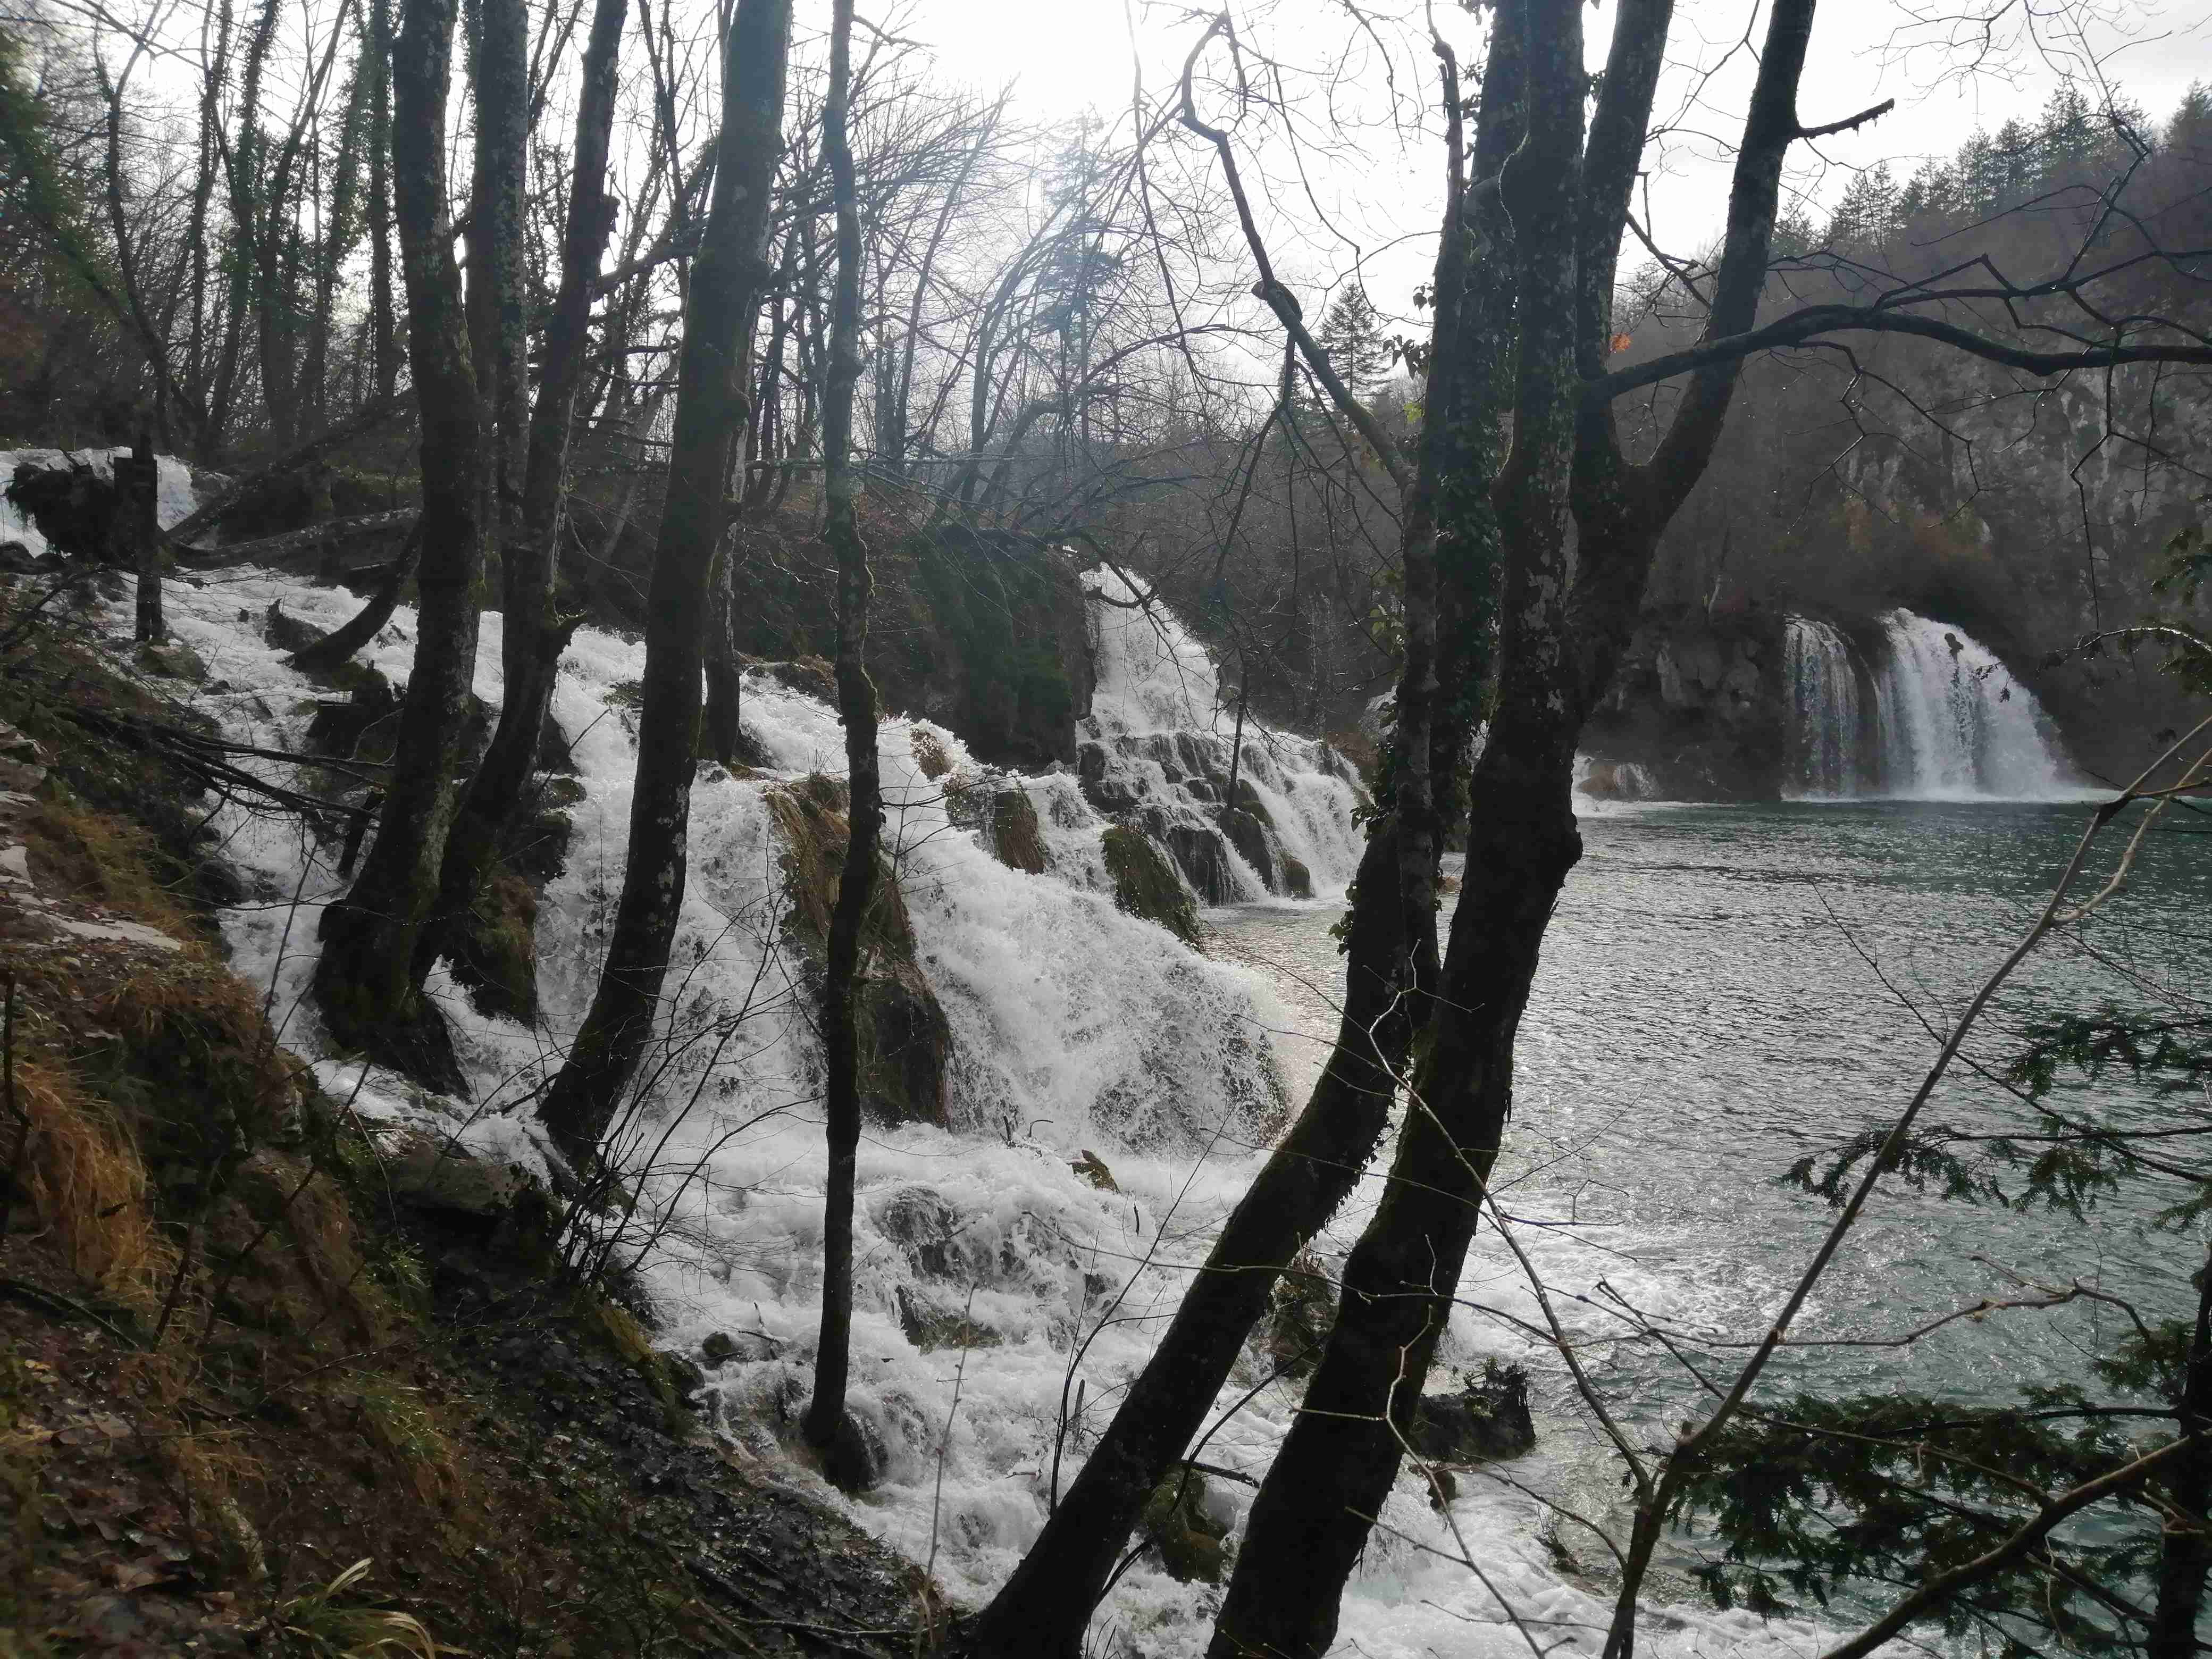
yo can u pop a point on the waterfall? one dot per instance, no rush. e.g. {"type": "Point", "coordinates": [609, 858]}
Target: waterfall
{"type": "Point", "coordinates": [1156, 751]}
{"type": "Point", "coordinates": [1949, 722]}
{"type": "Point", "coordinates": [1825, 718]}
{"type": "Point", "coordinates": [1954, 723]}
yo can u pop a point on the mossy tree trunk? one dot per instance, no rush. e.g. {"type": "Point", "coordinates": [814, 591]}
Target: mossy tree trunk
{"type": "Point", "coordinates": [1390, 950]}
{"type": "Point", "coordinates": [364, 980]}
{"type": "Point", "coordinates": [713, 403]}
{"type": "Point", "coordinates": [535, 634]}
{"type": "Point", "coordinates": [1567, 611]}
{"type": "Point", "coordinates": [856, 702]}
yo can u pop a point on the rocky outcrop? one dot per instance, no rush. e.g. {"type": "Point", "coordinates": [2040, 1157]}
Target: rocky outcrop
{"type": "Point", "coordinates": [1699, 709]}
{"type": "Point", "coordinates": [906, 1043]}
{"type": "Point", "coordinates": [982, 631]}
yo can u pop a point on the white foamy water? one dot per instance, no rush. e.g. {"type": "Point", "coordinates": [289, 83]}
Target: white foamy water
{"type": "Point", "coordinates": [1076, 1028]}
{"type": "Point", "coordinates": [173, 500]}
{"type": "Point", "coordinates": [1937, 717]}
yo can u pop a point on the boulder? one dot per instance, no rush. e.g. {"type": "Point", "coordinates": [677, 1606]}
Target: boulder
{"type": "Point", "coordinates": [1181, 1520]}
{"type": "Point", "coordinates": [1485, 1421]}
{"type": "Point", "coordinates": [427, 1172]}
{"type": "Point", "coordinates": [1146, 884]}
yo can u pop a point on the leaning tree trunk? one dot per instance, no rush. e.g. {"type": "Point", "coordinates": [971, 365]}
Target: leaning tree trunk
{"type": "Point", "coordinates": [1567, 617]}
{"type": "Point", "coordinates": [1391, 949]}
{"type": "Point", "coordinates": [826, 1426]}
{"type": "Point", "coordinates": [534, 634]}
{"type": "Point", "coordinates": [364, 980]}
{"type": "Point", "coordinates": [728, 277]}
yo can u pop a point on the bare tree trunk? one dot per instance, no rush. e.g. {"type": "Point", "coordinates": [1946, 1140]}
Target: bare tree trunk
{"type": "Point", "coordinates": [2185, 1540]}
{"type": "Point", "coordinates": [139, 477]}
{"type": "Point", "coordinates": [384, 344]}
{"type": "Point", "coordinates": [728, 277]}
{"type": "Point", "coordinates": [534, 634]}
{"type": "Point", "coordinates": [826, 1426]}
{"type": "Point", "coordinates": [1044, 1607]}
{"type": "Point", "coordinates": [365, 981]}
{"type": "Point", "coordinates": [1343, 1452]}
{"type": "Point", "coordinates": [725, 680]}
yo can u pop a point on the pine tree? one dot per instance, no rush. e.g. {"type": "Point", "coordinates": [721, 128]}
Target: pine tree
{"type": "Point", "coordinates": [1351, 335]}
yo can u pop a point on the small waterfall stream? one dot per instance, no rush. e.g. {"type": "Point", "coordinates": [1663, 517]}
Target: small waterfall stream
{"type": "Point", "coordinates": [1939, 718]}
{"type": "Point", "coordinates": [1826, 726]}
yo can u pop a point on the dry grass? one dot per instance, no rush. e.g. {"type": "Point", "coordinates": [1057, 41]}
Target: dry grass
{"type": "Point", "coordinates": [87, 1183]}
{"type": "Point", "coordinates": [103, 859]}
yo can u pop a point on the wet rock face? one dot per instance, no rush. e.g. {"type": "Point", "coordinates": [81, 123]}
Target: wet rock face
{"type": "Point", "coordinates": [1701, 705]}
{"type": "Point", "coordinates": [1486, 1421]}
{"type": "Point", "coordinates": [983, 631]}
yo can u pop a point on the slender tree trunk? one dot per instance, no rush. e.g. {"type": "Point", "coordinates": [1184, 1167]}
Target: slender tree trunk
{"type": "Point", "coordinates": [384, 344]}
{"type": "Point", "coordinates": [856, 701]}
{"type": "Point", "coordinates": [364, 980]}
{"type": "Point", "coordinates": [140, 477]}
{"type": "Point", "coordinates": [1337, 1466]}
{"type": "Point", "coordinates": [534, 634]}
{"type": "Point", "coordinates": [1045, 1607]}
{"type": "Point", "coordinates": [728, 277]}
{"type": "Point", "coordinates": [2185, 1543]}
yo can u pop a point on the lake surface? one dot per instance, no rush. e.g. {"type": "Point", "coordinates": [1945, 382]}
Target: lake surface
{"type": "Point", "coordinates": [1712, 1007]}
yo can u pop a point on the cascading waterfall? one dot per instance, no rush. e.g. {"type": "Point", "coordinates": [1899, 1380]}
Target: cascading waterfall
{"type": "Point", "coordinates": [1953, 722]}
{"type": "Point", "coordinates": [1949, 721]}
{"type": "Point", "coordinates": [1826, 722]}
{"type": "Point", "coordinates": [1160, 743]}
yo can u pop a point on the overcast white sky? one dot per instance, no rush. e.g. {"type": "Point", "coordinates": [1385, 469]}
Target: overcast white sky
{"type": "Point", "coordinates": [1075, 53]}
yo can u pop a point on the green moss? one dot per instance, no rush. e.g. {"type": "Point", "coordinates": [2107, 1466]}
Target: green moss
{"type": "Point", "coordinates": [1016, 837]}
{"type": "Point", "coordinates": [1146, 884]}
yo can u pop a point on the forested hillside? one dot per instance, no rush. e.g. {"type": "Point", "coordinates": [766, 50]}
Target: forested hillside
{"type": "Point", "coordinates": [799, 859]}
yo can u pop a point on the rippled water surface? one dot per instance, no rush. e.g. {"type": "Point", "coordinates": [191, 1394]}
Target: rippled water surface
{"type": "Point", "coordinates": [1727, 989]}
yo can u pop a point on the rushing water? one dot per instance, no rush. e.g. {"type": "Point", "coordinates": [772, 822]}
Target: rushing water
{"type": "Point", "coordinates": [1937, 716]}
{"type": "Point", "coordinates": [1711, 1007]}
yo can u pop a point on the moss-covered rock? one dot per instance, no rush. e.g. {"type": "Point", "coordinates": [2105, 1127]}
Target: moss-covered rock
{"type": "Point", "coordinates": [1193, 1541]}
{"type": "Point", "coordinates": [1146, 884]}
{"type": "Point", "coordinates": [983, 631]}
{"type": "Point", "coordinates": [1297, 880]}
{"type": "Point", "coordinates": [1300, 1311]}
{"type": "Point", "coordinates": [1250, 838]}
{"type": "Point", "coordinates": [906, 1043]}
{"type": "Point", "coordinates": [1016, 837]}
{"type": "Point", "coordinates": [1486, 1421]}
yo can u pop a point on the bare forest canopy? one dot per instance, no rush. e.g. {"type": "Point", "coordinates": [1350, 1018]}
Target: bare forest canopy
{"type": "Point", "coordinates": [761, 342]}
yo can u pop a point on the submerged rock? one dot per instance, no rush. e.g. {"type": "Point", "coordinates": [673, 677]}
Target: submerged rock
{"type": "Point", "coordinates": [1486, 1421]}
{"type": "Point", "coordinates": [1179, 1520]}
